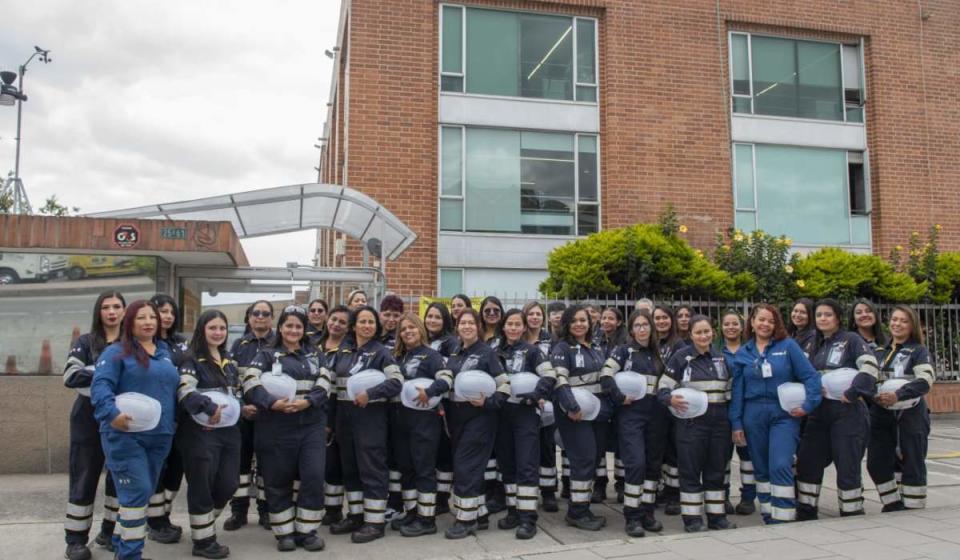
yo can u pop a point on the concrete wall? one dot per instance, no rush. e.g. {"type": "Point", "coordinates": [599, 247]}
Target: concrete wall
{"type": "Point", "coordinates": [35, 427]}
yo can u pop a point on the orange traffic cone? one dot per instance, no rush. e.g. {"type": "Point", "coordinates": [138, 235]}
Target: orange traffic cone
{"type": "Point", "coordinates": [46, 360]}
{"type": "Point", "coordinates": [11, 368]}
{"type": "Point", "coordinates": [74, 336]}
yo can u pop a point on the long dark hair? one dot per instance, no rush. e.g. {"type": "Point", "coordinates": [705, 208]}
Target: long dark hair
{"type": "Point", "coordinates": [620, 333]}
{"type": "Point", "coordinates": [672, 336]}
{"type": "Point", "coordinates": [355, 314]}
{"type": "Point", "coordinates": [568, 314]}
{"type": "Point", "coordinates": [807, 303]}
{"type": "Point", "coordinates": [292, 311]}
{"type": "Point", "coordinates": [837, 311]}
{"type": "Point", "coordinates": [250, 308]}
{"type": "Point", "coordinates": [689, 324]}
{"type": "Point", "coordinates": [131, 347]}
{"type": "Point", "coordinates": [326, 331]}
{"type": "Point", "coordinates": [503, 321]}
{"type": "Point", "coordinates": [96, 327]}
{"type": "Point", "coordinates": [483, 316]}
{"type": "Point", "coordinates": [159, 301]}
{"type": "Point", "coordinates": [444, 316]}
{"type": "Point", "coordinates": [326, 310]}
{"type": "Point", "coordinates": [653, 344]}
{"type": "Point", "coordinates": [878, 337]}
{"type": "Point", "coordinates": [198, 344]}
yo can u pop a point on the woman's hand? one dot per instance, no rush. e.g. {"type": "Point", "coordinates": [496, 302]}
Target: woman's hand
{"type": "Point", "coordinates": [362, 399]}
{"type": "Point", "coordinates": [844, 400]}
{"type": "Point", "coordinates": [739, 438]}
{"type": "Point", "coordinates": [627, 401]}
{"type": "Point", "coordinates": [677, 402]}
{"type": "Point", "coordinates": [575, 416]}
{"type": "Point", "coordinates": [248, 411]}
{"type": "Point", "coordinates": [297, 405]}
{"type": "Point", "coordinates": [479, 402]}
{"type": "Point", "coordinates": [122, 422]}
{"type": "Point", "coordinates": [422, 397]}
{"type": "Point", "coordinates": [215, 417]}
{"type": "Point", "coordinates": [886, 399]}
{"type": "Point", "coordinates": [798, 412]}
{"type": "Point", "coordinates": [280, 405]}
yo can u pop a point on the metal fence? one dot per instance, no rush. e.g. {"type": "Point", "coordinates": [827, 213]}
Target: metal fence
{"type": "Point", "coordinates": [940, 323]}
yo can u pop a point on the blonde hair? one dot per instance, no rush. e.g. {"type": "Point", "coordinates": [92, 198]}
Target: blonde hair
{"type": "Point", "coordinates": [400, 348]}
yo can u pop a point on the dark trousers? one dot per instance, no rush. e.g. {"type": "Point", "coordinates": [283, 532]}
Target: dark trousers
{"type": "Point", "coordinates": [703, 448]}
{"type": "Point", "coordinates": [548, 460]}
{"type": "Point", "coordinates": [835, 433]}
{"type": "Point", "coordinates": [670, 470]}
{"type": "Point", "coordinates": [250, 482]}
{"type": "Point", "coordinates": [748, 481]}
{"type": "Point", "coordinates": [86, 466]}
{"type": "Point", "coordinates": [637, 431]}
{"type": "Point", "coordinates": [581, 442]}
{"type": "Point", "coordinates": [518, 449]}
{"type": "Point", "coordinates": [899, 437]}
{"type": "Point", "coordinates": [415, 448]}
{"type": "Point", "coordinates": [161, 502]}
{"type": "Point", "coordinates": [333, 479]}
{"type": "Point", "coordinates": [472, 434]}
{"type": "Point", "coordinates": [290, 451]}
{"type": "Point", "coordinates": [211, 463]}
{"type": "Point", "coordinates": [396, 499]}
{"type": "Point", "coordinates": [444, 460]}
{"type": "Point", "coordinates": [362, 433]}
{"type": "Point", "coordinates": [135, 460]}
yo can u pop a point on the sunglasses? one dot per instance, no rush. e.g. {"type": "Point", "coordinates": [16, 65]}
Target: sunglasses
{"type": "Point", "coordinates": [293, 309]}
{"type": "Point", "coordinates": [491, 311]}
{"type": "Point", "coordinates": [261, 314]}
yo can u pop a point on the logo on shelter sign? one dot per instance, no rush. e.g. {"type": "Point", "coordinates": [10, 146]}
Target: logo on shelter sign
{"type": "Point", "coordinates": [126, 236]}
{"type": "Point", "coordinates": [205, 235]}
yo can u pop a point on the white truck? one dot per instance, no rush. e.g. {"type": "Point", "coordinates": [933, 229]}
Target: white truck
{"type": "Point", "coordinates": [30, 267]}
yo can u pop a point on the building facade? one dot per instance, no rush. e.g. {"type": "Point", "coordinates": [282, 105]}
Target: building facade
{"type": "Point", "coordinates": [501, 129]}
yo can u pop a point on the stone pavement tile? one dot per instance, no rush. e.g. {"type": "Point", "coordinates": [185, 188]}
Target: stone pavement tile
{"type": "Point", "coordinates": [819, 533]}
{"type": "Point", "coordinates": [938, 550]}
{"type": "Point", "coordinates": [866, 550]}
{"type": "Point", "coordinates": [909, 521]}
{"type": "Point", "coordinates": [855, 523]}
{"type": "Point", "coordinates": [579, 554]}
{"type": "Point", "coordinates": [701, 547]}
{"type": "Point", "coordinates": [750, 534]}
{"type": "Point", "coordinates": [892, 536]}
{"type": "Point", "coordinates": [785, 549]}
{"type": "Point", "coordinates": [636, 547]}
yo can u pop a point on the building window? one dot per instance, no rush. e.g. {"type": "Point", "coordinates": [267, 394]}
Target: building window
{"type": "Point", "coordinates": [451, 282]}
{"type": "Point", "coordinates": [794, 78]}
{"type": "Point", "coordinates": [815, 196]}
{"type": "Point", "coordinates": [518, 54]}
{"type": "Point", "coordinates": [510, 181]}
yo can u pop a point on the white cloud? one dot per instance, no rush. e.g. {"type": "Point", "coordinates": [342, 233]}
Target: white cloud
{"type": "Point", "coordinates": [150, 102]}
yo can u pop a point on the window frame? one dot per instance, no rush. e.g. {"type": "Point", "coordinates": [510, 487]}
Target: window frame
{"type": "Point", "coordinates": [463, 55]}
{"type": "Point", "coordinates": [462, 197]}
{"type": "Point", "coordinates": [843, 102]}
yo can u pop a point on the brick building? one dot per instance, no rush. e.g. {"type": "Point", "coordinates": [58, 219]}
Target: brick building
{"type": "Point", "coordinates": [500, 129]}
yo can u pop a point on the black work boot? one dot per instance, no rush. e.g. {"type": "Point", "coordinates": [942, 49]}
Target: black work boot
{"type": "Point", "coordinates": [209, 548]}
{"type": "Point", "coordinates": [419, 526]}
{"type": "Point", "coordinates": [346, 525]}
{"type": "Point", "coordinates": [77, 551]}
{"type": "Point", "coordinates": [549, 501]}
{"type": "Point", "coordinates": [367, 533]}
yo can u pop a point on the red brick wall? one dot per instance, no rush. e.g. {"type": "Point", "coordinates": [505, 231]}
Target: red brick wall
{"type": "Point", "coordinates": [944, 397]}
{"type": "Point", "coordinates": [664, 110]}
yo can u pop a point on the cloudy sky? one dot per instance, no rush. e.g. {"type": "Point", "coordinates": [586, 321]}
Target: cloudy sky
{"type": "Point", "coordinates": [148, 102]}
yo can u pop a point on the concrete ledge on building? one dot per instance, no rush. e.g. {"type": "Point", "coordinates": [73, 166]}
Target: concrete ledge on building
{"type": "Point", "coordinates": [944, 397]}
{"type": "Point", "coordinates": [34, 424]}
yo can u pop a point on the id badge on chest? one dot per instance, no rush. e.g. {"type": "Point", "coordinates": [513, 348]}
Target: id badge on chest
{"type": "Point", "coordinates": [277, 368]}
{"type": "Point", "coordinates": [579, 361]}
{"type": "Point", "coordinates": [836, 354]}
{"type": "Point", "coordinates": [766, 370]}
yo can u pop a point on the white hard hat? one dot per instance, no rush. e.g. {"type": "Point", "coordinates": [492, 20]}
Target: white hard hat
{"type": "Point", "coordinates": [546, 415]}
{"type": "Point", "coordinates": [408, 395]}
{"type": "Point", "coordinates": [229, 414]}
{"type": "Point", "coordinates": [522, 383]}
{"type": "Point", "coordinates": [144, 411]}
{"type": "Point", "coordinates": [697, 402]}
{"type": "Point", "coordinates": [279, 385]}
{"type": "Point", "coordinates": [473, 384]}
{"type": "Point", "coordinates": [631, 384]}
{"type": "Point", "coordinates": [891, 386]}
{"type": "Point", "coordinates": [588, 402]}
{"type": "Point", "coordinates": [363, 381]}
{"type": "Point", "coordinates": [791, 395]}
{"type": "Point", "coordinates": [837, 381]}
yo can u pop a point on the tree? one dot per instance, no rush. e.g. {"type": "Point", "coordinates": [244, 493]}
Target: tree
{"type": "Point", "coordinates": [52, 207]}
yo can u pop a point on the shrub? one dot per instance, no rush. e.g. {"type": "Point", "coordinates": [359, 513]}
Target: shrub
{"type": "Point", "coordinates": [946, 284]}
{"type": "Point", "coordinates": [836, 273]}
{"type": "Point", "coordinates": [767, 259]}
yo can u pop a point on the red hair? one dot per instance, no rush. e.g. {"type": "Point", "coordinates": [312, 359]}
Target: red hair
{"type": "Point", "coordinates": [129, 342]}
{"type": "Point", "coordinates": [779, 329]}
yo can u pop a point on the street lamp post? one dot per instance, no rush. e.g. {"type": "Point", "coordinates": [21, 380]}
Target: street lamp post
{"type": "Point", "coordinates": [9, 93]}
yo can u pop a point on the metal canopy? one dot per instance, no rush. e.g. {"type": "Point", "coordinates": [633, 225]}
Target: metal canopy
{"type": "Point", "coordinates": [291, 208]}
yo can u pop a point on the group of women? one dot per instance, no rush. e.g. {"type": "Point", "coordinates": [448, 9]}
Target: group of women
{"type": "Point", "coordinates": [474, 454]}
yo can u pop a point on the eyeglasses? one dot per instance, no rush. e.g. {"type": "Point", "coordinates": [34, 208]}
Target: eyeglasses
{"type": "Point", "coordinates": [642, 327]}
{"type": "Point", "coordinates": [318, 310]}
{"type": "Point", "coordinates": [491, 311]}
{"type": "Point", "coordinates": [258, 313]}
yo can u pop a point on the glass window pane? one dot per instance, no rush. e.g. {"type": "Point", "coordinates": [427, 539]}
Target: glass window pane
{"type": "Point", "coordinates": [802, 194]}
{"type": "Point", "coordinates": [820, 95]}
{"type": "Point", "coordinates": [741, 105]}
{"type": "Point", "coordinates": [587, 167]}
{"type": "Point", "coordinates": [547, 183]}
{"type": "Point", "coordinates": [587, 93]}
{"type": "Point", "coordinates": [746, 220]}
{"type": "Point", "coordinates": [586, 51]}
{"type": "Point", "coordinates": [743, 154]}
{"type": "Point", "coordinates": [451, 163]}
{"type": "Point", "coordinates": [546, 56]}
{"type": "Point", "coordinates": [493, 52]}
{"type": "Point", "coordinates": [851, 67]}
{"type": "Point", "coordinates": [588, 219]}
{"type": "Point", "coordinates": [774, 76]}
{"type": "Point", "coordinates": [741, 64]}
{"type": "Point", "coordinates": [451, 214]}
{"type": "Point", "coordinates": [451, 282]}
{"type": "Point", "coordinates": [493, 180]}
{"type": "Point", "coordinates": [860, 229]}
{"type": "Point", "coordinates": [452, 39]}
{"type": "Point", "coordinates": [855, 114]}
{"type": "Point", "coordinates": [451, 83]}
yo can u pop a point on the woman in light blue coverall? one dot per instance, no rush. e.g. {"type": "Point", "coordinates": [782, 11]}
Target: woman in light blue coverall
{"type": "Point", "coordinates": [137, 363]}
{"type": "Point", "coordinates": [769, 359]}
